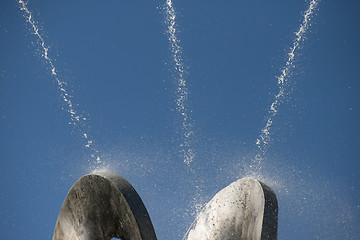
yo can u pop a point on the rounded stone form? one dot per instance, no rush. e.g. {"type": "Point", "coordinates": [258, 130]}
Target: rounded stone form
{"type": "Point", "coordinates": [103, 206]}
{"type": "Point", "coordinates": [245, 210]}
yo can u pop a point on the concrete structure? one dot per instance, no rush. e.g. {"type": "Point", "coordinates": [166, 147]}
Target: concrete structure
{"type": "Point", "coordinates": [105, 206]}
{"type": "Point", "coordinates": [101, 207]}
{"type": "Point", "coordinates": [245, 210]}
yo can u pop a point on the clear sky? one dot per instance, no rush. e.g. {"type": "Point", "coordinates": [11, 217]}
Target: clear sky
{"type": "Point", "coordinates": [118, 65]}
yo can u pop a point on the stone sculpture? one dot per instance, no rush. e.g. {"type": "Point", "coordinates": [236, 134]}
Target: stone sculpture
{"type": "Point", "coordinates": [104, 206]}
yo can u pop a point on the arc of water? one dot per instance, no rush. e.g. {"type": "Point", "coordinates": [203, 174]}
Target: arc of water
{"type": "Point", "coordinates": [264, 138]}
{"type": "Point", "coordinates": [182, 90]}
{"type": "Point", "coordinates": [75, 119]}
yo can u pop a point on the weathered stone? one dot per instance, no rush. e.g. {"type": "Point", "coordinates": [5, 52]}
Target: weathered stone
{"type": "Point", "coordinates": [101, 207]}
{"type": "Point", "coordinates": [105, 206]}
{"type": "Point", "coordinates": [245, 210]}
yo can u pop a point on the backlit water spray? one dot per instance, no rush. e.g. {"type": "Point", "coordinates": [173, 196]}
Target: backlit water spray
{"type": "Point", "coordinates": [264, 138]}
{"type": "Point", "coordinates": [181, 91]}
{"type": "Point", "coordinates": [76, 119]}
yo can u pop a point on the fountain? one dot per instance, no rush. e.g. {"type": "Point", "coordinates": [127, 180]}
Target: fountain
{"type": "Point", "coordinates": [106, 206]}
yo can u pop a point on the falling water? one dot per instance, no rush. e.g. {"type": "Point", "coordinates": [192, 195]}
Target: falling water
{"type": "Point", "coordinates": [181, 91]}
{"type": "Point", "coordinates": [264, 138]}
{"type": "Point", "coordinates": [76, 119]}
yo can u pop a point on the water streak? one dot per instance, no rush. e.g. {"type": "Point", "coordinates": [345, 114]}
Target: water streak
{"type": "Point", "coordinates": [76, 119]}
{"type": "Point", "coordinates": [264, 138]}
{"type": "Point", "coordinates": [181, 91]}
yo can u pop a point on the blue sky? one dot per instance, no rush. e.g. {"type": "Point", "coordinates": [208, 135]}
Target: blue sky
{"type": "Point", "coordinates": [115, 58]}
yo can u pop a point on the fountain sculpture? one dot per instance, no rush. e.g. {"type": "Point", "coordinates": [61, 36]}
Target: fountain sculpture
{"type": "Point", "coordinates": [103, 206]}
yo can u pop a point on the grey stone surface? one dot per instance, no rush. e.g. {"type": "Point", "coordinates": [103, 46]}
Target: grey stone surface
{"type": "Point", "coordinates": [245, 210]}
{"type": "Point", "coordinates": [102, 206]}
{"type": "Point", "coordinates": [105, 206]}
